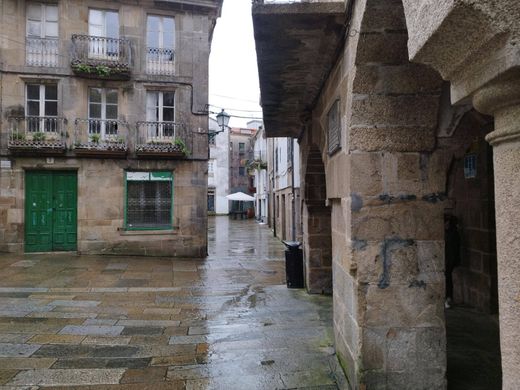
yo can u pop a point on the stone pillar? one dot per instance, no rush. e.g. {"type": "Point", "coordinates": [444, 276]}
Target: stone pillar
{"type": "Point", "coordinates": [502, 99]}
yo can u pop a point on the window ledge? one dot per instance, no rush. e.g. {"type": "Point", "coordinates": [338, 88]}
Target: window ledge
{"type": "Point", "coordinates": [164, 232]}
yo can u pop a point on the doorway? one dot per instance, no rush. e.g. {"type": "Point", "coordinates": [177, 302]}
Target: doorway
{"type": "Point", "coordinates": [50, 211]}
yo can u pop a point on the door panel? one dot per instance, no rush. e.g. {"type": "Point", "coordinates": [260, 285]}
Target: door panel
{"type": "Point", "coordinates": [50, 211]}
{"type": "Point", "coordinates": [65, 214]}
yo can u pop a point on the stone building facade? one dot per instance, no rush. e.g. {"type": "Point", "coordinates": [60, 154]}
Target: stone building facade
{"type": "Point", "coordinates": [392, 118]}
{"type": "Point", "coordinates": [103, 141]}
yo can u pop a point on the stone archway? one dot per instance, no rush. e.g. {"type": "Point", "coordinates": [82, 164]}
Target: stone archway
{"type": "Point", "coordinates": [316, 225]}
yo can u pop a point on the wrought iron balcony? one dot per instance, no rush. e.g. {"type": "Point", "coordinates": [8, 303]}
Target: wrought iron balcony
{"type": "Point", "coordinates": [163, 139]}
{"type": "Point", "coordinates": [37, 135]}
{"type": "Point", "coordinates": [100, 138]}
{"type": "Point", "coordinates": [42, 52]}
{"type": "Point", "coordinates": [101, 57]}
{"type": "Point", "coordinates": [160, 61]}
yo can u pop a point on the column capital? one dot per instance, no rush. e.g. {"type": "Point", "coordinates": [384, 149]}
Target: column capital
{"type": "Point", "coordinates": [501, 99]}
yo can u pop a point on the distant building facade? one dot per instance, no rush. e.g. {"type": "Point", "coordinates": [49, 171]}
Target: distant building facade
{"type": "Point", "coordinates": [218, 169]}
{"type": "Point", "coordinates": [241, 151]}
{"type": "Point", "coordinates": [258, 170]}
{"type": "Point", "coordinates": [284, 188]}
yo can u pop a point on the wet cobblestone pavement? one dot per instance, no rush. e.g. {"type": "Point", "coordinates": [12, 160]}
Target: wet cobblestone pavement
{"type": "Point", "coordinates": [225, 322]}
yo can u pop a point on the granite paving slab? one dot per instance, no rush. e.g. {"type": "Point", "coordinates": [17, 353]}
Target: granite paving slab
{"type": "Point", "coordinates": [17, 350]}
{"type": "Point", "coordinates": [92, 330]}
{"type": "Point", "coordinates": [26, 363]}
{"type": "Point", "coordinates": [63, 377]}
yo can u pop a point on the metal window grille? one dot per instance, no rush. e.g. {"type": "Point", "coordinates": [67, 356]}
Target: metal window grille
{"type": "Point", "coordinates": [334, 128]}
{"type": "Point", "coordinates": [149, 204]}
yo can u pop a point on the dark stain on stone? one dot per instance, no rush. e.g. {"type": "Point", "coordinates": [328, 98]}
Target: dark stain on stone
{"type": "Point", "coordinates": [356, 203]}
{"type": "Point", "coordinates": [267, 362]}
{"type": "Point", "coordinates": [418, 284]}
{"type": "Point", "coordinates": [407, 197]}
{"type": "Point", "coordinates": [359, 245]}
{"type": "Point", "coordinates": [389, 245]}
{"type": "Point", "coordinates": [435, 197]}
{"type": "Point", "coordinates": [386, 198]}
{"type": "Point", "coordinates": [424, 160]}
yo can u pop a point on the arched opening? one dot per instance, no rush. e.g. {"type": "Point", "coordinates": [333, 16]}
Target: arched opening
{"type": "Point", "coordinates": [473, 349]}
{"type": "Point", "coordinates": [316, 225]}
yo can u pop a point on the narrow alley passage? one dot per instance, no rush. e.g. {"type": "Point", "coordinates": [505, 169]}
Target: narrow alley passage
{"type": "Point", "coordinates": [225, 322]}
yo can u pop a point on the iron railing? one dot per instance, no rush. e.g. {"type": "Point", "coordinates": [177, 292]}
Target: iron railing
{"type": "Point", "coordinates": [100, 134]}
{"type": "Point", "coordinates": [36, 131]}
{"type": "Point", "coordinates": [160, 61]}
{"type": "Point", "coordinates": [42, 52]}
{"type": "Point", "coordinates": [92, 50]}
{"type": "Point", "coordinates": [163, 137]}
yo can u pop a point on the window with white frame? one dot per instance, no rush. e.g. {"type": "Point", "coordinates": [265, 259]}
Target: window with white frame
{"type": "Point", "coordinates": [160, 42]}
{"type": "Point", "coordinates": [102, 112]}
{"type": "Point", "coordinates": [41, 107]}
{"type": "Point", "coordinates": [160, 114]}
{"type": "Point", "coordinates": [42, 34]}
{"type": "Point", "coordinates": [103, 28]}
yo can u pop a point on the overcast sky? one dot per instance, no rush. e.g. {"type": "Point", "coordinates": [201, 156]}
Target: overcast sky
{"type": "Point", "coordinates": [233, 76]}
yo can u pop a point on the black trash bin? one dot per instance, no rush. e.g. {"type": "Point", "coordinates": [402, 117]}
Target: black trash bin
{"type": "Point", "coordinates": [294, 264]}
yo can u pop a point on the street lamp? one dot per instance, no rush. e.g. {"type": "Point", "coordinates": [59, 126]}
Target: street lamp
{"type": "Point", "coordinates": [223, 119]}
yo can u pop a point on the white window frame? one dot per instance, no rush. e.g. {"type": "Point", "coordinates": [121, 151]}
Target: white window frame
{"type": "Point", "coordinates": [159, 108]}
{"type": "Point", "coordinates": [42, 49]}
{"type": "Point", "coordinates": [41, 109]}
{"type": "Point", "coordinates": [103, 48]}
{"type": "Point", "coordinates": [159, 63]}
{"type": "Point", "coordinates": [42, 21]}
{"type": "Point", "coordinates": [103, 119]}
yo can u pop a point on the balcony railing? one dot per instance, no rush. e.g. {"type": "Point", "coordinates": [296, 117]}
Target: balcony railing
{"type": "Point", "coordinates": [100, 137]}
{"type": "Point", "coordinates": [163, 139]}
{"type": "Point", "coordinates": [101, 57]}
{"type": "Point", "coordinates": [160, 61]}
{"type": "Point", "coordinates": [32, 134]}
{"type": "Point", "coordinates": [42, 52]}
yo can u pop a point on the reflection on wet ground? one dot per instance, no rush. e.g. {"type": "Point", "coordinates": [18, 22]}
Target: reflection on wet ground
{"type": "Point", "coordinates": [225, 322]}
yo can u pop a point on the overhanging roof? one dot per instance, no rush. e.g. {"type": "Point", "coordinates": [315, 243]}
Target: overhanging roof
{"type": "Point", "coordinates": [296, 45]}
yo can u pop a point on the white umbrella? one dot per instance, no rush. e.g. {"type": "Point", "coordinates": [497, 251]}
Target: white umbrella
{"type": "Point", "coordinates": [240, 196]}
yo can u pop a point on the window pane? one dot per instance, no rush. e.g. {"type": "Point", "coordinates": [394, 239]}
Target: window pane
{"type": "Point", "coordinates": [112, 96]}
{"type": "Point", "coordinates": [168, 25]}
{"type": "Point", "coordinates": [51, 92]}
{"type": "Point", "coordinates": [169, 99]}
{"type": "Point", "coordinates": [51, 29]}
{"type": "Point", "coordinates": [168, 39]}
{"type": "Point", "coordinates": [95, 95]}
{"type": "Point", "coordinates": [168, 114]}
{"type": "Point", "coordinates": [152, 23]}
{"type": "Point", "coordinates": [34, 29]}
{"type": "Point", "coordinates": [51, 13]}
{"type": "Point", "coordinates": [152, 39]}
{"type": "Point", "coordinates": [95, 17]}
{"type": "Point", "coordinates": [33, 92]}
{"type": "Point", "coordinates": [112, 24]}
{"type": "Point", "coordinates": [151, 106]}
{"type": "Point", "coordinates": [95, 111]}
{"type": "Point", "coordinates": [34, 12]}
{"type": "Point", "coordinates": [51, 108]}
{"type": "Point", "coordinates": [111, 111]}
{"type": "Point", "coordinates": [149, 204]}
{"type": "Point", "coordinates": [33, 108]}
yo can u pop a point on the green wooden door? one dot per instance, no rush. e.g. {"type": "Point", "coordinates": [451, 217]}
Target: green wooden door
{"type": "Point", "coordinates": [50, 211]}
